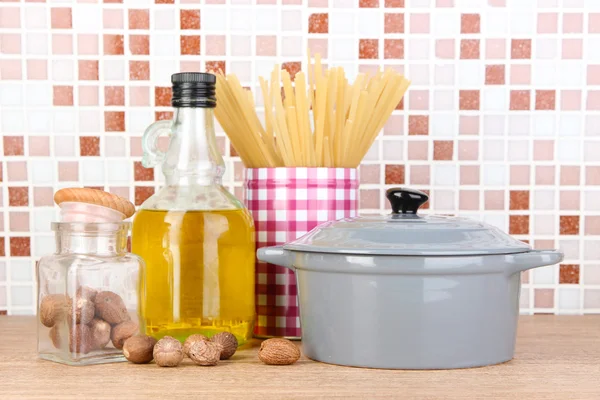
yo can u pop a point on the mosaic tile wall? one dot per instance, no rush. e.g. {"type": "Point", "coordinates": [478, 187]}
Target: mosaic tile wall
{"type": "Point", "coordinates": [502, 121]}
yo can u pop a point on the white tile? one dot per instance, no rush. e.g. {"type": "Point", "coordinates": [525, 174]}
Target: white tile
{"type": "Point", "coordinates": [569, 298]}
{"type": "Point", "coordinates": [571, 73]}
{"type": "Point", "coordinates": [493, 175]}
{"type": "Point", "coordinates": [118, 171]}
{"type": "Point", "coordinates": [291, 20]}
{"type": "Point", "coordinates": [64, 146]}
{"type": "Point", "coordinates": [164, 19]}
{"type": "Point", "coordinates": [524, 298]}
{"type": "Point", "coordinates": [443, 199]}
{"type": "Point", "coordinates": [591, 48]}
{"type": "Point", "coordinates": [241, 19]}
{"type": "Point", "coordinates": [419, 3]}
{"type": "Point", "coordinates": [591, 250]}
{"type": "Point", "coordinates": [161, 70]}
{"type": "Point", "coordinates": [36, 44]}
{"type": "Point", "coordinates": [591, 200]}
{"type": "Point", "coordinates": [165, 45]}
{"type": "Point", "coordinates": [544, 275]}
{"type": "Point", "coordinates": [267, 20]}
{"type": "Point", "coordinates": [496, 23]}
{"type": "Point", "coordinates": [521, 23]}
{"type": "Point", "coordinates": [570, 125]}
{"type": "Point", "coordinates": [494, 125]}
{"type": "Point", "coordinates": [570, 248]}
{"type": "Point", "coordinates": [11, 94]}
{"type": "Point", "coordinates": [443, 125]}
{"type": "Point", "coordinates": [592, 125]}
{"type": "Point", "coordinates": [569, 150]}
{"type": "Point", "coordinates": [445, 175]}
{"type": "Point", "coordinates": [291, 46]}
{"type": "Point", "coordinates": [493, 150]}
{"type": "Point", "coordinates": [87, 18]}
{"type": "Point", "coordinates": [91, 121]}
{"type": "Point", "coordinates": [544, 200]}
{"type": "Point", "coordinates": [494, 99]}
{"type": "Point", "coordinates": [417, 49]}
{"type": "Point", "coordinates": [116, 144]}
{"type": "Point", "coordinates": [42, 219]}
{"type": "Point", "coordinates": [544, 124]}
{"type": "Point", "coordinates": [21, 296]}
{"type": "Point", "coordinates": [444, 100]}
{"type": "Point", "coordinates": [544, 73]}
{"type": "Point", "coordinates": [35, 18]}
{"type": "Point", "coordinates": [370, 23]}
{"type": "Point", "coordinates": [445, 24]}
{"type": "Point", "coordinates": [497, 220]}
{"type": "Point", "coordinates": [2, 271]}
{"type": "Point", "coordinates": [545, 49]}
{"type": "Point", "coordinates": [343, 49]}
{"type": "Point", "coordinates": [518, 150]}
{"type": "Point", "coordinates": [138, 120]}
{"type": "Point", "coordinates": [518, 125]}
{"type": "Point", "coordinates": [63, 120]}
{"type": "Point", "coordinates": [38, 94]}
{"type": "Point", "coordinates": [39, 121]}
{"type": "Point", "coordinates": [470, 73]}
{"type": "Point", "coordinates": [114, 70]}
{"type": "Point", "coordinates": [63, 70]}
{"type": "Point", "coordinates": [342, 23]}
{"type": "Point", "coordinates": [243, 70]}
{"type": "Point", "coordinates": [12, 121]}
{"type": "Point", "coordinates": [92, 171]}
{"type": "Point", "coordinates": [21, 271]}
{"type": "Point", "coordinates": [42, 172]}
{"type": "Point", "coordinates": [214, 19]}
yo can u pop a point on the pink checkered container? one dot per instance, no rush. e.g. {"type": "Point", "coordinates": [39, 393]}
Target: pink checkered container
{"type": "Point", "coordinates": [286, 203]}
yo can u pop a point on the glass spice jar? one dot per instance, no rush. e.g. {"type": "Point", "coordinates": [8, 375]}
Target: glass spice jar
{"type": "Point", "coordinates": [88, 294]}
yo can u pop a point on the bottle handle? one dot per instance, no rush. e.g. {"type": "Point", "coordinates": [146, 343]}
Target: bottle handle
{"type": "Point", "coordinates": [152, 155]}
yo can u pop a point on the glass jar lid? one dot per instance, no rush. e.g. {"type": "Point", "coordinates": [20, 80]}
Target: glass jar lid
{"type": "Point", "coordinates": [403, 232]}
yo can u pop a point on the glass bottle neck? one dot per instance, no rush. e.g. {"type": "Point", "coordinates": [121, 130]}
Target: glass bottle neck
{"type": "Point", "coordinates": [100, 244]}
{"type": "Point", "coordinates": [193, 157]}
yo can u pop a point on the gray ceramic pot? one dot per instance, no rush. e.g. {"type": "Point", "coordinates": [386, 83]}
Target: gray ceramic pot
{"type": "Point", "coordinates": [406, 291]}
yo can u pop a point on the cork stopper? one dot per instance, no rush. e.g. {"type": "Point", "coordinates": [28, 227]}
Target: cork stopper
{"type": "Point", "coordinates": [95, 197]}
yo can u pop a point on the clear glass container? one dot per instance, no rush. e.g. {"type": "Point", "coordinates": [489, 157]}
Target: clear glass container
{"type": "Point", "coordinates": [88, 294]}
{"type": "Point", "coordinates": [196, 238]}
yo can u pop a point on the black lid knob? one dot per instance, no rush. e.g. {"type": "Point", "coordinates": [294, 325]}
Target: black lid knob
{"type": "Point", "coordinates": [194, 89]}
{"type": "Point", "coordinates": [405, 201]}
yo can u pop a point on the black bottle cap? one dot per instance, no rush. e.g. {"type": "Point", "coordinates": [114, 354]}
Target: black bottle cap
{"type": "Point", "coordinates": [194, 89]}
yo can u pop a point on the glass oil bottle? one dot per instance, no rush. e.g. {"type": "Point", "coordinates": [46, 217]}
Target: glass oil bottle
{"type": "Point", "coordinates": [196, 238]}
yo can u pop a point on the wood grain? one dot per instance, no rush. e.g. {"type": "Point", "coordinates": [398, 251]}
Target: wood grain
{"type": "Point", "coordinates": [558, 357]}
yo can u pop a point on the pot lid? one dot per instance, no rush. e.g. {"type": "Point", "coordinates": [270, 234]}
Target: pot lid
{"type": "Point", "coordinates": [403, 232]}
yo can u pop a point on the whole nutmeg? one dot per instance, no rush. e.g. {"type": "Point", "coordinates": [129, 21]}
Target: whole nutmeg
{"type": "Point", "coordinates": [278, 351]}
{"type": "Point", "coordinates": [168, 352]}
{"type": "Point", "coordinates": [192, 339]}
{"type": "Point", "coordinates": [229, 343]}
{"type": "Point", "coordinates": [53, 309]}
{"type": "Point", "coordinates": [100, 333]}
{"type": "Point", "coordinates": [80, 339]}
{"type": "Point", "coordinates": [87, 292]}
{"type": "Point", "coordinates": [81, 310]}
{"type": "Point", "coordinates": [139, 349]}
{"type": "Point", "coordinates": [205, 353]}
{"type": "Point", "coordinates": [111, 308]}
{"type": "Point", "coordinates": [56, 336]}
{"type": "Point", "coordinates": [120, 333]}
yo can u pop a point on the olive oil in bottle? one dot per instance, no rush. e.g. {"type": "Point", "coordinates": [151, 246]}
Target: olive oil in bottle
{"type": "Point", "coordinates": [196, 238]}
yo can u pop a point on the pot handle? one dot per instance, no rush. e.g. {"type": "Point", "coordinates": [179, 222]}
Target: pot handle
{"type": "Point", "coordinates": [533, 259]}
{"type": "Point", "coordinates": [276, 255]}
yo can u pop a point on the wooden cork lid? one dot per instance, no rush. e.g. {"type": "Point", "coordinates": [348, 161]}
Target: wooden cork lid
{"type": "Point", "coordinates": [97, 197]}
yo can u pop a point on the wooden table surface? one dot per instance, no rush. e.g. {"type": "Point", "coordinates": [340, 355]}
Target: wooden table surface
{"type": "Point", "coordinates": [557, 357]}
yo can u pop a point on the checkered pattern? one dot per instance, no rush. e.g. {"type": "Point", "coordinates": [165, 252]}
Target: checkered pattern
{"type": "Point", "coordinates": [286, 203]}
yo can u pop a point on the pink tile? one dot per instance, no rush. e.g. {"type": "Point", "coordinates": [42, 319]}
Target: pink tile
{"type": "Point", "coordinates": [369, 198]}
{"type": "Point", "coordinates": [547, 23]}
{"type": "Point", "coordinates": [39, 146]}
{"type": "Point", "coordinates": [266, 45]}
{"type": "Point", "coordinates": [418, 150]}
{"type": "Point", "coordinates": [136, 147]}
{"type": "Point", "coordinates": [16, 171]}
{"type": "Point", "coordinates": [570, 100]}
{"type": "Point", "coordinates": [543, 298]}
{"type": "Point", "coordinates": [570, 175]}
{"type": "Point", "coordinates": [87, 44]}
{"type": "Point", "coordinates": [493, 200]}
{"type": "Point", "coordinates": [468, 150]}
{"type": "Point", "coordinates": [19, 221]}
{"type": "Point", "coordinates": [418, 100]}
{"type": "Point", "coordinates": [469, 175]}
{"type": "Point", "coordinates": [444, 3]}
{"type": "Point", "coordinates": [468, 200]}
{"type": "Point", "coordinates": [569, 200]}
{"type": "Point", "coordinates": [419, 23]}
{"type": "Point", "coordinates": [88, 95]}
{"type": "Point", "coordinates": [139, 96]}
{"type": "Point", "coordinates": [545, 175]}
{"type": "Point", "coordinates": [495, 49]}
{"type": "Point", "coordinates": [519, 174]}
{"type": "Point", "coordinates": [10, 18]}
{"type": "Point", "coordinates": [444, 48]}
{"type": "Point", "coordinates": [594, 23]}
{"type": "Point", "coordinates": [318, 46]}
{"type": "Point", "coordinates": [215, 45]}
{"type": "Point", "coordinates": [370, 173]}
{"type": "Point", "coordinates": [573, 23]}
{"type": "Point", "coordinates": [592, 175]}
{"type": "Point", "coordinates": [591, 298]}
{"type": "Point", "coordinates": [43, 196]}
{"type": "Point", "coordinates": [60, 18]}
{"type": "Point", "coordinates": [318, 3]}
{"type": "Point", "coordinates": [62, 44]}
{"type": "Point", "coordinates": [113, 19]}
{"type": "Point", "coordinates": [68, 171]}
{"type": "Point", "coordinates": [543, 150]}
{"type": "Point", "coordinates": [420, 175]}
{"type": "Point", "coordinates": [37, 69]}
{"type": "Point", "coordinates": [572, 49]}
{"type": "Point", "coordinates": [120, 191]}
{"type": "Point", "coordinates": [10, 69]}
{"type": "Point", "coordinates": [394, 125]}
{"type": "Point", "coordinates": [593, 74]}
{"type": "Point", "coordinates": [593, 100]}
{"type": "Point", "coordinates": [520, 74]}
{"type": "Point", "coordinates": [497, 3]}
{"type": "Point", "coordinates": [468, 125]}
{"type": "Point", "coordinates": [10, 43]}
